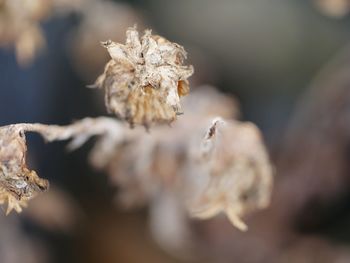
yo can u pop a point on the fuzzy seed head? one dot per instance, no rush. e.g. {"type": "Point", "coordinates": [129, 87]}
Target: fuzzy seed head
{"type": "Point", "coordinates": [145, 78]}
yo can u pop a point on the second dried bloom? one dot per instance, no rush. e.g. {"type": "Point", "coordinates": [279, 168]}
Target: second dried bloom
{"type": "Point", "coordinates": [18, 184]}
{"type": "Point", "coordinates": [231, 172]}
{"type": "Point", "coordinates": [145, 78]}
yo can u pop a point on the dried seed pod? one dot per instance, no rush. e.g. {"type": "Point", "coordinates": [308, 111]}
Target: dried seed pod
{"type": "Point", "coordinates": [17, 183]}
{"type": "Point", "coordinates": [145, 78]}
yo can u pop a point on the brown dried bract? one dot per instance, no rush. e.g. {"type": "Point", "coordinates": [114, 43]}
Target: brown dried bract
{"type": "Point", "coordinates": [145, 79]}
{"type": "Point", "coordinates": [18, 184]}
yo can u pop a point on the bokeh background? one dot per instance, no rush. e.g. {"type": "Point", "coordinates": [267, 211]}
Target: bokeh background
{"type": "Point", "coordinates": [286, 62]}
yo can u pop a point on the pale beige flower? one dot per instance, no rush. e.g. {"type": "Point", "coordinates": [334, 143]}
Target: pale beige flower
{"type": "Point", "coordinates": [231, 171]}
{"type": "Point", "coordinates": [145, 79]}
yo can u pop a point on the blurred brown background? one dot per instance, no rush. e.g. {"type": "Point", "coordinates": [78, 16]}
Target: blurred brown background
{"type": "Point", "coordinates": [267, 53]}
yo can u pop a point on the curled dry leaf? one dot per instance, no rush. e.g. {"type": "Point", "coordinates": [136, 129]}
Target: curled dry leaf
{"type": "Point", "coordinates": [145, 78]}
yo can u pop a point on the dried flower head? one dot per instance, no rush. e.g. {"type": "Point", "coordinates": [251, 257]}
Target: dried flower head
{"type": "Point", "coordinates": [231, 172]}
{"type": "Point", "coordinates": [145, 78]}
{"type": "Point", "coordinates": [18, 184]}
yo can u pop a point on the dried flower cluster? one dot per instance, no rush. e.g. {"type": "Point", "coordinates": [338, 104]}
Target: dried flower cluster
{"type": "Point", "coordinates": [211, 164]}
{"type": "Point", "coordinates": [206, 164]}
{"type": "Point", "coordinates": [145, 78]}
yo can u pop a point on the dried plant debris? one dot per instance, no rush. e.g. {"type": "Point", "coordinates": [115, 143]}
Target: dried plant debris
{"type": "Point", "coordinates": [213, 165]}
{"type": "Point", "coordinates": [18, 184]}
{"type": "Point", "coordinates": [145, 78]}
{"type": "Point", "coordinates": [202, 166]}
{"type": "Point", "coordinates": [231, 172]}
